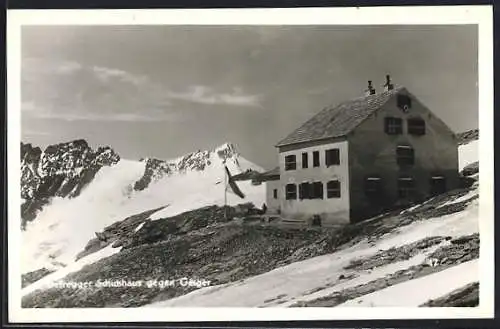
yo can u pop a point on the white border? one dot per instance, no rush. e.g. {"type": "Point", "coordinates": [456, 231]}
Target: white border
{"type": "Point", "coordinates": [438, 15]}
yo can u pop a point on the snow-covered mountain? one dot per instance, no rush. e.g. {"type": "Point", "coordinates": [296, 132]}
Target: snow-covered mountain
{"type": "Point", "coordinates": [70, 191]}
{"type": "Point", "coordinates": [61, 170]}
{"type": "Point", "coordinates": [169, 226]}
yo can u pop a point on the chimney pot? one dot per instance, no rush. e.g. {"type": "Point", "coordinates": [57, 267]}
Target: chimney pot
{"type": "Point", "coordinates": [388, 85]}
{"type": "Point", "coordinates": [370, 90]}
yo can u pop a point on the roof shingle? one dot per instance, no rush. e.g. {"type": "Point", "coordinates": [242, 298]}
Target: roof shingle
{"type": "Point", "coordinates": [339, 120]}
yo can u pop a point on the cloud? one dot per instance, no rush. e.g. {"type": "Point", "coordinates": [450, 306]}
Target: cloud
{"type": "Point", "coordinates": [205, 95]}
{"type": "Point", "coordinates": [44, 113]}
{"type": "Point", "coordinates": [34, 133]}
{"type": "Point", "coordinates": [107, 74]}
{"type": "Point", "coordinates": [68, 67]}
{"type": "Point", "coordinates": [71, 91]}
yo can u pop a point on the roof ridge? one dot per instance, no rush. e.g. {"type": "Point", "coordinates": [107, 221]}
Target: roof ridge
{"type": "Point", "coordinates": [338, 120]}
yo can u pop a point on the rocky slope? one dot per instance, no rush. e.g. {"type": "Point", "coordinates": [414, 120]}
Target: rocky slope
{"type": "Point", "coordinates": [202, 244]}
{"type": "Point", "coordinates": [468, 136]}
{"type": "Point", "coordinates": [61, 170]}
{"type": "Point", "coordinates": [64, 169]}
{"type": "Point", "coordinates": [156, 169]}
{"type": "Point", "coordinates": [240, 253]}
{"type": "Point", "coordinates": [71, 188]}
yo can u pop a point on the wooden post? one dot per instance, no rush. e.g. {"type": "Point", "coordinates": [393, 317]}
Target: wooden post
{"type": "Point", "coordinates": [225, 191]}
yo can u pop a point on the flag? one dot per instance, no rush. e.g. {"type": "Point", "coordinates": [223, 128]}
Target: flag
{"type": "Point", "coordinates": [232, 184]}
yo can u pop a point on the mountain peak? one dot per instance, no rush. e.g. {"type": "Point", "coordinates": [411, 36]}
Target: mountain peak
{"type": "Point", "coordinates": [199, 160]}
{"type": "Point", "coordinates": [61, 170]}
{"type": "Point", "coordinates": [226, 151]}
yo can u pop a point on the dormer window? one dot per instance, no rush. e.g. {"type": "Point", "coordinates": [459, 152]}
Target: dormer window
{"type": "Point", "coordinates": [393, 126]}
{"type": "Point", "coordinates": [416, 126]}
{"type": "Point", "coordinates": [404, 102]}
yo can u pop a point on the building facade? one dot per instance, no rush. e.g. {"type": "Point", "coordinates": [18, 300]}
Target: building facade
{"type": "Point", "coordinates": [315, 181]}
{"type": "Point", "coordinates": [362, 157]}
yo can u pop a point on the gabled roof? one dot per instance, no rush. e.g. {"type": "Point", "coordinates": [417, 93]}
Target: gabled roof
{"type": "Point", "coordinates": [339, 120]}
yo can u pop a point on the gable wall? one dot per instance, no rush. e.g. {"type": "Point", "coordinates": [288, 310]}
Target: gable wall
{"type": "Point", "coordinates": [373, 152]}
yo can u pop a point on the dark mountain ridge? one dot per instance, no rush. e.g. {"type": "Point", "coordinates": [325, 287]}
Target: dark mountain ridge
{"type": "Point", "coordinates": [65, 169]}
{"type": "Point", "coordinates": [61, 170]}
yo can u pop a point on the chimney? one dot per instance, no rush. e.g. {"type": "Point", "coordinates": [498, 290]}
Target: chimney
{"type": "Point", "coordinates": [388, 85]}
{"type": "Point", "coordinates": [370, 90]}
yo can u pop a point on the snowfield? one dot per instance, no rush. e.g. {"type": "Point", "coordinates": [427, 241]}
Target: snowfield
{"type": "Point", "coordinates": [295, 280]}
{"type": "Point", "coordinates": [50, 240]}
{"type": "Point", "coordinates": [468, 153]}
{"type": "Point", "coordinates": [54, 277]}
{"type": "Point", "coordinates": [422, 289]}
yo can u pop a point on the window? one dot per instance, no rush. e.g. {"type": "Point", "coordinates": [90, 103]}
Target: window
{"type": "Point", "coordinates": [372, 186]}
{"type": "Point", "coordinates": [305, 160]}
{"type": "Point", "coordinates": [333, 189]}
{"type": "Point", "coordinates": [316, 190]}
{"type": "Point", "coordinates": [393, 126]}
{"type": "Point", "coordinates": [405, 155]}
{"type": "Point", "coordinates": [332, 157]}
{"type": "Point", "coordinates": [290, 162]}
{"type": "Point", "coordinates": [275, 193]}
{"type": "Point", "coordinates": [316, 159]}
{"type": "Point", "coordinates": [406, 187]}
{"type": "Point", "coordinates": [404, 102]}
{"type": "Point", "coordinates": [416, 127]}
{"type": "Point", "coordinates": [438, 185]}
{"type": "Point", "coordinates": [291, 192]}
{"type": "Point", "coordinates": [304, 191]}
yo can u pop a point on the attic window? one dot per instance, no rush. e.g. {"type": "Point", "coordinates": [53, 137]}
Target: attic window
{"type": "Point", "coordinates": [393, 126]}
{"type": "Point", "coordinates": [404, 102]}
{"type": "Point", "coordinates": [333, 189]}
{"type": "Point", "coordinates": [416, 126]}
{"type": "Point", "coordinates": [406, 187]}
{"type": "Point", "coordinates": [291, 192]}
{"type": "Point", "coordinates": [405, 155]}
{"type": "Point", "coordinates": [290, 162]}
{"type": "Point", "coordinates": [332, 157]}
{"type": "Point", "coordinates": [372, 186]}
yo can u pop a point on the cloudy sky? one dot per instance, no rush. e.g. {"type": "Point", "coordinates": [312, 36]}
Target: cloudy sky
{"type": "Point", "coordinates": [163, 91]}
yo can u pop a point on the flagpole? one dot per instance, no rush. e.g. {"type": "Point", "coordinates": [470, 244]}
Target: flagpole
{"type": "Point", "coordinates": [225, 191]}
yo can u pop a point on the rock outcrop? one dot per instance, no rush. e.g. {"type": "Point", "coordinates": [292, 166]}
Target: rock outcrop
{"type": "Point", "coordinates": [156, 169]}
{"type": "Point", "coordinates": [468, 136]}
{"type": "Point", "coordinates": [61, 170]}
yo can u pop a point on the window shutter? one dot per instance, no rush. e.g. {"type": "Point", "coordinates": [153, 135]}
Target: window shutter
{"type": "Point", "coordinates": [305, 161]}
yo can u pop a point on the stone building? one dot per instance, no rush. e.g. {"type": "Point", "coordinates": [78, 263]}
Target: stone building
{"type": "Point", "coordinates": [363, 156]}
